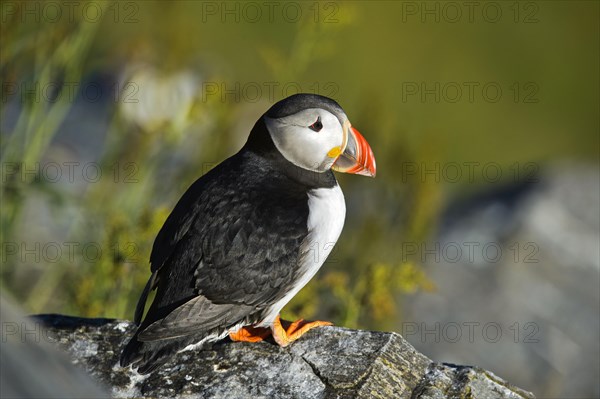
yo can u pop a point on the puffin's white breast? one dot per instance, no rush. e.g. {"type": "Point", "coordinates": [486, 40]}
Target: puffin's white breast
{"type": "Point", "coordinates": [326, 215]}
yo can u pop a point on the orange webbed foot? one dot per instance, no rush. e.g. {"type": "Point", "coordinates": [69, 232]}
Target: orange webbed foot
{"type": "Point", "coordinates": [285, 336]}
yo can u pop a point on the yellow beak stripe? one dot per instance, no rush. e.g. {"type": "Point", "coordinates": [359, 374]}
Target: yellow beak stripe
{"type": "Point", "coordinates": [334, 152]}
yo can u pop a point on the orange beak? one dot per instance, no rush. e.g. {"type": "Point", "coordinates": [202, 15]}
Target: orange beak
{"type": "Point", "coordinates": [357, 157]}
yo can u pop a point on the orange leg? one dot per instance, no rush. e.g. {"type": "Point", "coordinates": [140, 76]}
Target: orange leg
{"type": "Point", "coordinates": [294, 331]}
{"type": "Point", "coordinates": [250, 334]}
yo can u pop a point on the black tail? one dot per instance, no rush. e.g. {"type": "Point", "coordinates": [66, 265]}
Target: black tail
{"type": "Point", "coordinates": [148, 356]}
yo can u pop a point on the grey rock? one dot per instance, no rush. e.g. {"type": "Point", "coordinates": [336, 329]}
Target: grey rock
{"type": "Point", "coordinates": [328, 362]}
{"type": "Point", "coordinates": [32, 368]}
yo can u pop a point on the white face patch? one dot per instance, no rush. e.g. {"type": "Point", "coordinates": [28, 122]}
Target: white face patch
{"type": "Point", "coordinates": [301, 145]}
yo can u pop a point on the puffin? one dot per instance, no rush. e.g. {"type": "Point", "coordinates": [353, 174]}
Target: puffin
{"type": "Point", "coordinates": [249, 234]}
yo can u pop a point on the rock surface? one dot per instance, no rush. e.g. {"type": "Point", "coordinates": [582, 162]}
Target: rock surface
{"type": "Point", "coordinates": [328, 362]}
{"type": "Point", "coordinates": [31, 367]}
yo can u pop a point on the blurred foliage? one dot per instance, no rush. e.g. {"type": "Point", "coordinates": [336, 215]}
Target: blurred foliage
{"type": "Point", "coordinates": [150, 151]}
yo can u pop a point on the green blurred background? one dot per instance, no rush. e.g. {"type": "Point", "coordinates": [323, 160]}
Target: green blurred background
{"type": "Point", "coordinates": [153, 94]}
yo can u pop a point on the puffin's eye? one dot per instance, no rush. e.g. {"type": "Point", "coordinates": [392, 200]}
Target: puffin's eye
{"type": "Point", "coordinates": [317, 126]}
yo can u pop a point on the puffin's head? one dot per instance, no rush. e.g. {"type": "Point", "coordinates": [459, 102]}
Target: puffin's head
{"type": "Point", "coordinates": [314, 133]}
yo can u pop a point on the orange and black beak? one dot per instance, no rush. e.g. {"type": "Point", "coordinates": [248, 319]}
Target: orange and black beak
{"type": "Point", "coordinates": [357, 157]}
